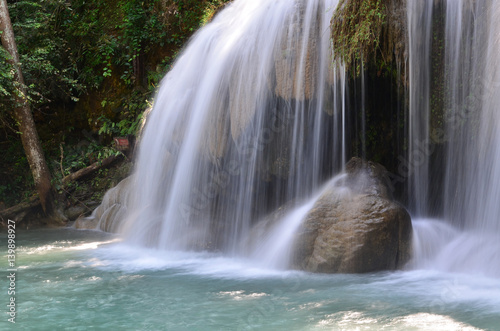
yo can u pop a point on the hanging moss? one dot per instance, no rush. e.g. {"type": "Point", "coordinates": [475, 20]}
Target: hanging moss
{"type": "Point", "coordinates": [356, 29]}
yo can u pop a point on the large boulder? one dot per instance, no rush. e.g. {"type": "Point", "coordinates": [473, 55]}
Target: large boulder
{"type": "Point", "coordinates": [355, 226]}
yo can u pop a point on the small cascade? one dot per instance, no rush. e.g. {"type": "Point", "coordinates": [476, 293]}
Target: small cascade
{"type": "Point", "coordinates": [465, 127]}
{"type": "Point", "coordinates": [430, 236]}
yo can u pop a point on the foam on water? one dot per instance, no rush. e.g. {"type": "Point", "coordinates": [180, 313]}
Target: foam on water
{"type": "Point", "coordinates": [132, 259]}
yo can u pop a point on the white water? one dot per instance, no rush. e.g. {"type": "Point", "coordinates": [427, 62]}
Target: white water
{"type": "Point", "coordinates": [420, 36]}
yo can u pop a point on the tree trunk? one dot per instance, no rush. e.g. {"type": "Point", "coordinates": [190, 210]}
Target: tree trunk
{"type": "Point", "coordinates": [22, 112]}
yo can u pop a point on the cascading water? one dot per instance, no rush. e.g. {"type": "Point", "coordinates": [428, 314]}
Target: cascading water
{"type": "Point", "coordinates": [468, 132]}
{"type": "Point", "coordinates": [238, 126]}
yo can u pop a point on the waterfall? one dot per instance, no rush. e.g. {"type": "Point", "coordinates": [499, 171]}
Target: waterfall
{"type": "Point", "coordinates": [255, 115]}
{"type": "Point", "coordinates": [460, 138]}
{"type": "Point", "coordinates": [250, 117]}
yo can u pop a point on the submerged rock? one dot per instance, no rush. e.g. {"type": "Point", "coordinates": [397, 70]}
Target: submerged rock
{"type": "Point", "coordinates": [356, 227]}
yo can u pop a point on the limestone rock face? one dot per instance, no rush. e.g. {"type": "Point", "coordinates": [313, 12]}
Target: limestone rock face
{"type": "Point", "coordinates": [111, 212]}
{"type": "Point", "coordinates": [296, 62]}
{"type": "Point", "coordinates": [355, 227]}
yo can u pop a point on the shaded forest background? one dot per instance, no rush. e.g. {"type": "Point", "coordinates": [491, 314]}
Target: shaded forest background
{"type": "Point", "coordinates": [90, 68]}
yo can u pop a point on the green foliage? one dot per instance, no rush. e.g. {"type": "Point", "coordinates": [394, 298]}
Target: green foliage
{"type": "Point", "coordinates": [6, 74]}
{"type": "Point", "coordinates": [126, 126]}
{"type": "Point", "coordinates": [88, 66]}
{"type": "Point", "coordinates": [129, 119]}
{"type": "Point", "coordinates": [211, 9]}
{"type": "Point", "coordinates": [110, 35]}
{"type": "Point", "coordinates": [69, 47]}
{"type": "Point", "coordinates": [129, 30]}
{"type": "Point", "coordinates": [49, 70]}
{"type": "Point", "coordinates": [193, 14]}
{"type": "Point", "coordinates": [16, 182]}
{"type": "Point", "coordinates": [7, 88]}
{"type": "Point", "coordinates": [356, 27]}
{"type": "Point", "coordinates": [73, 157]}
{"type": "Point", "coordinates": [83, 155]}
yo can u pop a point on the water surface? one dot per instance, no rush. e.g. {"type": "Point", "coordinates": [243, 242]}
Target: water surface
{"type": "Point", "coordinates": [81, 280]}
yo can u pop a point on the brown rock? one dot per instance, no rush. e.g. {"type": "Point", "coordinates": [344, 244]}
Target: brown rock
{"type": "Point", "coordinates": [355, 226]}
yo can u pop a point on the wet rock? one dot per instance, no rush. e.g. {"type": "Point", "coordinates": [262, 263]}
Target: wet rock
{"type": "Point", "coordinates": [355, 227]}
